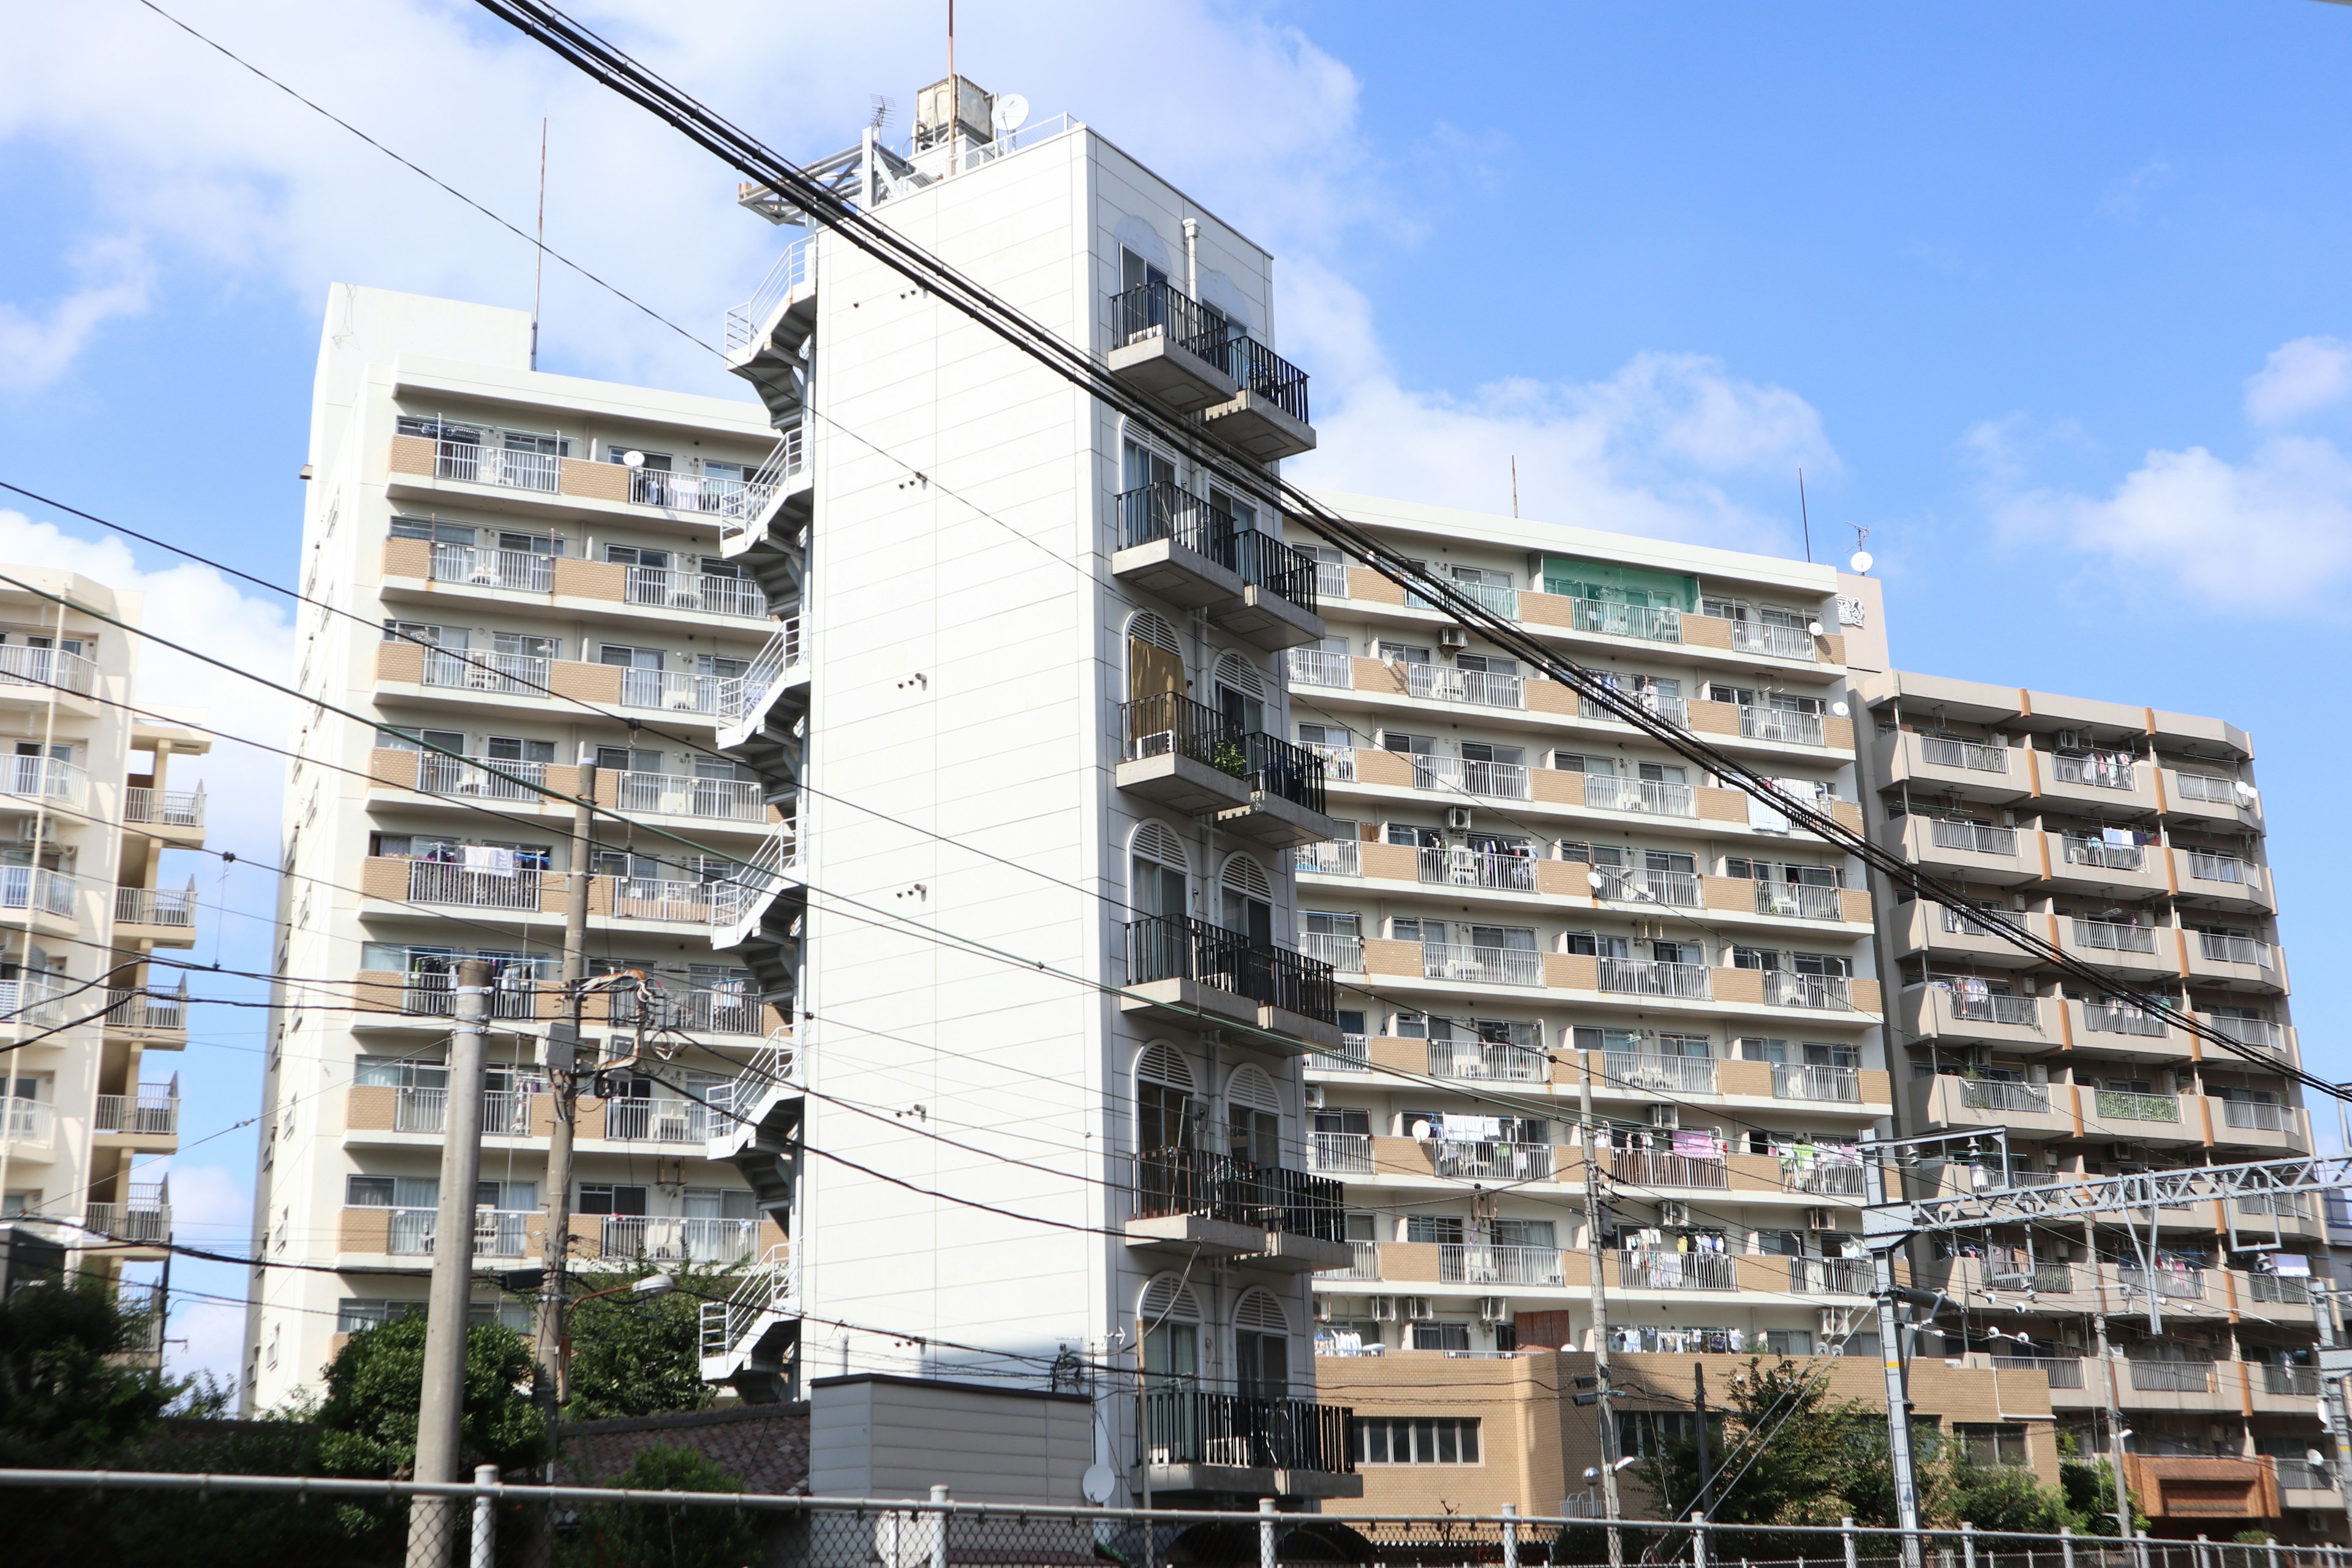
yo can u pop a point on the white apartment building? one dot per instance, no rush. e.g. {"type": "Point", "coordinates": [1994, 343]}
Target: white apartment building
{"type": "Point", "coordinates": [87, 811]}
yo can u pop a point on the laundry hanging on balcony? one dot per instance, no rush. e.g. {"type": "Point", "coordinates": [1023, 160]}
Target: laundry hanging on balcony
{"type": "Point", "coordinates": [1469, 1129]}
{"type": "Point", "coordinates": [490, 859]}
{"type": "Point", "coordinates": [1698, 1143]}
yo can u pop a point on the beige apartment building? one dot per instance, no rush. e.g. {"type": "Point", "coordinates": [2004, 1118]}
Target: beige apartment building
{"type": "Point", "coordinates": [85, 792]}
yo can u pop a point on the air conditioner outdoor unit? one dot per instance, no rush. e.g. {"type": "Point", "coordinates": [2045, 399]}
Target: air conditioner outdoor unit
{"type": "Point", "coordinates": [1322, 1309]}
{"type": "Point", "coordinates": [1453, 639]}
{"type": "Point", "coordinates": [1821, 1219]}
{"type": "Point", "coordinates": [1457, 818]}
{"type": "Point", "coordinates": [1418, 1308]}
{"type": "Point", "coordinates": [1493, 1310]}
{"type": "Point", "coordinates": [1314, 1097]}
{"type": "Point", "coordinates": [2072, 741]}
{"type": "Point", "coordinates": [1666, 1116]}
{"type": "Point", "coordinates": [1674, 1213]}
{"type": "Point", "coordinates": [1384, 1309]}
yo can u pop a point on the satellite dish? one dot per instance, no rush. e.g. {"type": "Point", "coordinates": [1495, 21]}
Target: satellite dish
{"type": "Point", "coordinates": [1840, 709]}
{"type": "Point", "coordinates": [1596, 879]}
{"type": "Point", "coordinates": [1861, 562]}
{"type": "Point", "coordinates": [1010, 112]}
{"type": "Point", "coordinates": [1098, 1483]}
{"type": "Point", "coordinates": [633, 459]}
{"type": "Point", "coordinates": [1813, 628]}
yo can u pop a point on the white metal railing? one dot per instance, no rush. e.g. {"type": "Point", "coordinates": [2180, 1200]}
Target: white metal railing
{"type": "Point", "coordinates": [2284, 1205]}
{"type": "Point", "coordinates": [2207, 866]}
{"type": "Point", "coordinates": [1481, 965]}
{"type": "Point", "coordinates": [1329, 858]}
{"type": "Point", "coordinates": [152, 1111]}
{"type": "Point", "coordinates": [2082, 851]}
{"type": "Point", "coordinates": [525, 571]}
{"type": "Point", "coordinates": [738, 515]}
{"type": "Point", "coordinates": [675, 490]}
{"type": "Point", "coordinates": [1364, 1262]}
{"type": "Point", "coordinates": [2206, 787]}
{"type": "Point", "coordinates": [679, 1238]}
{"type": "Point", "coordinates": [2099, 770]}
{"type": "Point", "coordinates": [1320, 666]}
{"type": "Point", "coordinates": [1780, 642]}
{"type": "Point", "coordinates": [130, 1008]}
{"type": "Point", "coordinates": [497, 1233]}
{"type": "Point", "coordinates": [1343, 1153]}
{"type": "Point", "coordinates": [1355, 1055]}
{"type": "Point", "coordinates": [1656, 1168]}
{"type": "Point", "coordinates": [1651, 622]}
{"type": "Point", "coordinates": [1675, 890]}
{"type": "Point", "coordinates": [172, 907]}
{"type": "Point", "coordinates": [747, 693]}
{"type": "Point", "coordinates": [1811, 1080]}
{"type": "Point", "coordinates": [479, 454]}
{"type": "Point", "coordinates": [505, 1112]}
{"type": "Point", "coordinates": [660, 899]}
{"type": "Point", "coordinates": [2258, 1116]}
{"type": "Point", "coordinates": [683, 794]}
{"type": "Point", "coordinates": [1330, 579]}
{"type": "Point", "coordinates": [1459, 867]}
{"type": "Point", "coordinates": [1477, 1263]}
{"type": "Point", "coordinates": [750, 887]}
{"type": "Point", "coordinates": [1782, 724]}
{"type": "Point", "coordinates": [1830, 1276]}
{"type": "Point", "coordinates": [1982, 757]}
{"type": "Point", "coordinates": [2173, 1376]}
{"type": "Point", "coordinates": [42, 889]}
{"type": "Point", "coordinates": [1473, 687]}
{"type": "Point", "coordinates": [1801, 900]}
{"type": "Point", "coordinates": [1996, 1094]}
{"type": "Point", "coordinates": [1822, 1180]}
{"type": "Point", "coordinates": [36, 1000]}
{"type": "Point", "coordinates": [1973, 837]}
{"type": "Point", "coordinates": [1338, 762]}
{"type": "Point", "coordinates": [2278, 1288]}
{"type": "Point", "coordinates": [479, 778]}
{"type": "Point", "coordinates": [2109, 936]}
{"type": "Point", "coordinates": [672, 690]}
{"type": "Point", "coordinates": [1643, 978]}
{"type": "Point", "coordinates": [506, 674]}
{"type": "Point", "coordinates": [1675, 711]}
{"type": "Point", "coordinates": [1497, 781]}
{"type": "Point", "coordinates": [698, 591]}
{"type": "Point", "coordinates": [145, 1219]}
{"type": "Point", "coordinates": [2260, 1033]}
{"type": "Point", "coordinates": [52, 778]}
{"type": "Point", "coordinates": [166, 807]}
{"type": "Point", "coordinates": [1490, 596]}
{"type": "Point", "coordinates": [1610, 792]}
{"type": "Point", "coordinates": [2107, 1018]}
{"type": "Point", "coordinates": [1344, 953]}
{"type": "Point", "coordinates": [2122, 1105]}
{"type": "Point", "coordinates": [1677, 1270]}
{"type": "Point", "coordinates": [747, 321]}
{"type": "Point", "coordinates": [767, 1286]}
{"type": "Point", "coordinates": [23, 665]}
{"type": "Point", "coordinates": [1486, 1059]}
{"type": "Point", "coordinates": [441, 882]}
{"type": "Point", "coordinates": [660, 1119]}
{"type": "Point", "coordinates": [736, 1104]}
{"type": "Point", "coordinates": [1483, 1162]}
{"type": "Point", "coordinates": [2221, 948]}
{"type": "Point", "coordinates": [1660, 1073]}
{"type": "Point", "coordinates": [30, 1121]}
{"type": "Point", "coordinates": [1784, 988]}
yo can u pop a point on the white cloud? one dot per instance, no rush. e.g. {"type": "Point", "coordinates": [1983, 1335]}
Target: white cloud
{"type": "Point", "coordinates": [2131, 195]}
{"type": "Point", "coordinates": [2299, 376]}
{"type": "Point", "coordinates": [36, 350]}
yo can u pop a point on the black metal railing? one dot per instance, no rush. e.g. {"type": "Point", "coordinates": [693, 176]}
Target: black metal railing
{"type": "Point", "coordinates": [1262, 371]}
{"type": "Point", "coordinates": [1170, 724]}
{"type": "Point", "coordinates": [1283, 570]}
{"type": "Point", "coordinates": [1219, 1186]}
{"type": "Point", "coordinates": [1208, 332]}
{"type": "Point", "coordinates": [1172, 947]}
{"type": "Point", "coordinates": [1188, 1427]}
{"type": "Point", "coordinates": [1165, 510]}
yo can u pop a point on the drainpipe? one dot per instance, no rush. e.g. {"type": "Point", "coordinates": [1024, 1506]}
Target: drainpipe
{"type": "Point", "coordinates": [1193, 259]}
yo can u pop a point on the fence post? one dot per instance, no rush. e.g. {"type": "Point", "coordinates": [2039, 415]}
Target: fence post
{"type": "Point", "coordinates": [2066, 1545]}
{"type": "Point", "coordinates": [1845, 1529]}
{"type": "Point", "coordinates": [2203, 1550]}
{"type": "Point", "coordinates": [1698, 1539]}
{"type": "Point", "coordinates": [1969, 1543]}
{"type": "Point", "coordinates": [1511, 1535]}
{"type": "Point", "coordinates": [939, 1526]}
{"type": "Point", "coordinates": [1264, 1532]}
{"type": "Point", "coordinates": [486, 1479]}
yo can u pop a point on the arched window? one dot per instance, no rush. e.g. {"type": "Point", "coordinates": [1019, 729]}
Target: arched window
{"type": "Point", "coordinates": [1253, 1116]}
{"type": "Point", "coordinates": [1260, 1347]}
{"type": "Point", "coordinates": [1171, 1334]}
{"type": "Point", "coordinates": [1240, 692]}
{"type": "Point", "coordinates": [1164, 1100]}
{"type": "Point", "coordinates": [1158, 872]}
{"type": "Point", "coordinates": [1245, 900]}
{"type": "Point", "coordinates": [1155, 659]}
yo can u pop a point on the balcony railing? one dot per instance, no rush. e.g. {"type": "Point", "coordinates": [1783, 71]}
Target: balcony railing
{"type": "Point", "coordinates": [651, 1120]}
{"type": "Point", "coordinates": [429, 986]}
{"type": "Point", "coordinates": [479, 778]}
{"type": "Point", "coordinates": [476, 669]}
{"type": "Point", "coordinates": [1343, 954]}
{"type": "Point", "coordinates": [171, 907]}
{"type": "Point", "coordinates": [1658, 623]}
{"type": "Point", "coordinates": [1213, 1185]}
{"type": "Point", "coordinates": [439, 882]}
{"type": "Point", "coordinates": [1485, 1059]}
{"type": "Point", "coordinates": [1338, 762]}
{"type": "Point", "coordinates": [683, 795]}
{"type": "Point", "coordinates": [1782, 724]}
{"type": "Point", "coordinates": [37, 1000]}
{"type": "Point", "coordinates": [1330, 579]}
{"type": "Point", "coordinates": [662, 899]}
{"type": "Point", "coordinates": [1366, 1263]}
{"type": "Point", "coordinates": [1329, 858]}
{"type": "Point", "coordinates": [2301, 1475]}
{"type": "Point", "coordinates": [2098, 769]}
{"type": "Point", "coordinates": [1473, 965]}
{"type": "Point", "coordinates": [1830, 1276]}
{"type": "Point", "coordinates": [1191, 1426]}
{"type": "Point", "coordinates": [679, 1238]}
{"type": "Point", "coordinates": [1154, 310]}
{"type": "Point", "coordinates": [2219, 948]}
{"type": "Point", "coordinates": [2172, 1376]}
{"type": "Point", "coordinates": [2283, 1206]}
{"type": "Point", "coordinates": [674, 691]}
{"type": "Point", "coordinates": [2115, 1104]}
{"type": "Point", "coordinates": [1976, 756]}
{"type": "Point", "coordinates": [2121, 1018]}
{"type": "Point", "coordinates": [1320, 666]}
{"type": "Point", "coordinates": [130, 1008]}
{"type": "Point", "coordinates": [163, 808]}
{"type": "Point", "coordinates": [1167, 510]}
{"type": "Point", "coordinates": [1464, 867]}
{"type": "Point", "coordinates": [53, 778]}
{"type": "Point", "coordinates": [1650, 1168]}
{"type": "Point", "coordinates": [2206, 867]}
{"type": "Point", "coordinates": [1171, 947]}
{"type": "Point", "coordinates": [1658, 1073]}
{"type": "Point", "coordinates": [2258, 1116]}
{"type": "Point", "coordinates": [1799, 900]}
{"type": "Point", "coordinates": [1485, 1161]}
{"type": "Point", "coordinates": [2097, 852]}
{"type": "Point", "coordinates": [1675, 711]}
{"type": "Point", "coordinates": [2108, 936]}
{"type": "Point", "coordinates": [480, 457]}
{"type": "Point", "coordinates": [1355, 1055]}
{"type": "Point", "coordinates": [702, 592]}
{"type": "Point", "coordinates": [1610, 792]}
{"type": "Point", "coordinates": [2206, 787]}
{"type": "Point", "coordinates": [1989, 1094]}
{"type": "Point", "coordinates": [2061, 1371]}
{"type": "Point", "coordinates": [1677, 1271]}
{"type": "Point", "coordinates": [2014, 1012]}
{"type": "Point", "coordinates": [23, 665]}
{"type": "Point", "coordinates": [1458, 775]}
{"type": "Point", "coordinates": [152, 1111]}
{"type": "Point", "coordinates": [1973, 837]}
{"type": "Point", "coordinates": [1823, 1179]}
{"type": "Point", "coordinates": [145, 1219]}
{"type": "Point", "coordinates": [1471, 687]}
{"type": "Point", "coordinates": [1474, 1263]}
{"type": "Point", "coordinates": [505, 1112]}
{"type": "Point", "coordinates": [1780, 642]}
{"type": "Point", "coordinates": [1830, 993]}
{"type": "Point", "coordinates": [2280, 1288]}
{"type": "Point", "coordinates": [2260, 1033]}
{"type": "Point", "coordinates": [1343, 1153]}
{"type": "Point", "coordinates": [723, 494]}
{"type": "Point", "coordinates": [29, 1121]}
{"type": "Point", "coordinates": [2293, 1381]}
{"type": "Point", "coordinates": [39, 889]}
{"type": "Point", "coordinates": [1807, 1080]}
{"type": "Point", "coordinates": [1636, 977]}
{"type": "Point", "coordinates": [525, 571]}
{"type": "Point", "coordinates": [1642, 884]}
{"type": "Point", "coordinates": [1169, 724]}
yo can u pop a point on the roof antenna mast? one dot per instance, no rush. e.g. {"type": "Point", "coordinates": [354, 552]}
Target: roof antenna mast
{"type": "Point", "coordinates": [538, 258]}
{"type": "Point", "coordinates": [1805, 514]}
{"type": "Point", "coordinates": [952, 54]}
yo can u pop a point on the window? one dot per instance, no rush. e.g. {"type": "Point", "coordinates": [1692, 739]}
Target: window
{"type": "Point", "coordinates": [524, 644]}
{"type": "Point", "coordinates": [1348, 1119]}
{"type": "Point", "coordinates": [1413, 837]}
{"type": "Point", "coordinates": [632, 555]}
{"type": "Point", "coordinates": [417, 740]}
{"type": "Point", "coordinates": [1415, 745]}
{"type": "Point", "coordinates": [1789, 1342]}
{"type": "Point", "coordinates": [367, 1192]}
{"type": "Point", "coordinates": [353, 1316]}
{"type": "Point", "coordinates": [422, 631]}
{"type": "Point", "coordinates": [1441, 1337]}
{"type": "Point", "coordinates": [1447, 1229]}
{"type": "Point", "coordinates": [1260, 1347]}
{"type": "Point", "coordinates": [606, 1197]}
{"type": "Point", "coordinates": [1524, 1233]}
{"type": "Point", "coordinates": [514, 749]}
{"type": "Point", "coordinates": [438, 532]}
{"type": "Point", "coordinates": [1990, 1444]}
{"type": "Point", "coordinates": [1418, 1439]}
{"type": "Point", "coordinates": [655, 462]}
{"type": "Point", "coordinates": [628, 657]}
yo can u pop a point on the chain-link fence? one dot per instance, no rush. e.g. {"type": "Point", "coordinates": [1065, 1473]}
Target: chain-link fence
{"type": "Point", "coordinates": [175, 1520]}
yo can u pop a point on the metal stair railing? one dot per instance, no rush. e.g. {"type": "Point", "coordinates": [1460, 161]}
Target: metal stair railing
{"type": "Point", "coordinates": [744, 695]}
{"type": "Point", "coordinates": [768, 1286]}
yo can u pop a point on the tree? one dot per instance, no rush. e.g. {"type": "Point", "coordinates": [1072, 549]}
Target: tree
{"type": "Point", "coordinates": [2089, 1488]}
{"type": "Point", "coordinates": [1810, 1453]}
{"type": "Point", "coordinates": [621, 1535]}
{"type": "Point", "coordinates": [640, 1357]}
{"type": "Point", "coordinates": [375, 1384]}
{"type": "Point", "coordinates": [66, 1399]}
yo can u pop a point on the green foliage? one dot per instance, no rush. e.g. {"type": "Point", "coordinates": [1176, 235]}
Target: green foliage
{"type": "Point", "coordinates": [2089, 1489]}
{"type": "Point", "coordinates": [1228, 757]}
{"type": "Point", "coordinates": [2253, 1538]}
{"type": "Point", "coordinates": [375, 1384]}
{"type": "Point", "coordinates": [636, 1357]}
{"type": "Point", "coordinates": [626, 1535]}
{"type": "Point", "coordinates": [1997, 1497]}
{"type": "Point", "coordinates": [65, 1399]}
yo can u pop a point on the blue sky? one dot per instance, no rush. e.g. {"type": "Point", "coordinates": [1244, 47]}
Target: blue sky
{"type": "Point", "coordinates": [2048, 298]}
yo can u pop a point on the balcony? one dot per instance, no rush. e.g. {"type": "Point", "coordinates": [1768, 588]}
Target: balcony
{"type": "Point", "coordinates": [1799, 901]}
{"type": "Point", "coordinates": [1195, 359]}
{"type": "Point", "coordinates": [1329, 857]}
{"type": "Point", "coordinates": [660, 1119]}
{"type": "Point", "coordinates": [1659, 1074]}
{"type": "Point", "coordinates": [1469, 775]}
{"type": "Point", "coordinates": [145, 1219]}
{"type": "Point", "coordinates": [2121, 1105]}
{"type": "Point", "coordinates": [1342, 1154]}
{"type": "Point", "coordinates": [439, 882]}
{"type": "Point", "coordinates": [1635, 977]}
{"type": "Point", "coordinates": [153, 1111]}
{"type": "Point", "coordinates": [2260, 1034]}
{"type": "Point", "coordinates": [29, 1123]}
{"type": "Point", "coordinates": [506, 1113]}
{"type": "Point", "coordinates": [1980, 771]}
{"type": "Point", "coordinates": [683, 795]}
{"type": "Point", "coordinates": [2094, 770]}
{"type": "Point", "coordinates": [1199, 557]}
{"type": "Point", "coordinates": [1824, 993]}
{"type": "Point", "coordinates": [678, 1239]}
{"type": "Point", "coordinates": [521, 571]}
{"type": "Point", "coordinates": [1192, 973]}
{"type": "Point", "coordinates": [1481, 1161]}
{"type": "Point", "coordinates": [1980, 852]}
{"type": "Point", "coordinates": [1471, 966]}
{"type": "Point", "coordinates": [47, 670]}
{"type": "Point", "coordinates": [698, 593]}
{"type": "Point", "coordinates": [161, 914]}
{"type": "Point", "coordinates": [1773, 641]}
{"type": "Point", "coordinates": [2107, 779]}
{"type": "Point", "coordinates": [1675, 711]}
{"type": "Point", "coordinates": [2172, 1376]}
{"type": "Point", "coordinates": [2293, 1382]}
{"type": "Point", "coordinates": [1487, 1061]}
{"type": "Point", "coordinates": [1187, 756]}
{"type": "Point", "coordinates": [1464, 867]}
{"type": "Point", "coordinates": [2208, 797]}
{"type": "Point", "coordinates": [1644, 1168]}
{"type": "Point", "coordinates": [2112, 944]}
{"type": "Point", "coordinates": [1676, 1272]}
{"type": "Point", "coordinates": [489, 672]}
{"type": "Point", "coordinates": [1319, 667]}
{"type": "Point", "coordinates": [1806, 1080]}
{"type": "Point", "coordinates": [45, 778]}
{"type": "Point", "coordinates": [1196, 1441]}
{"type": "Point", "coordinates": [43, 890]}
{"type": "Point", "coordinates": [1952, 1101]}
{"type": "Point", "coordinates": [1988, 1094]}
{"type": "Point", "coordinates": [479, 778]}
{"type": "Point", "coordinates": [1463, 688]}
{"type": "Point", "coordinates": [2110, 1017]}
{"type": "Point", "coordinates": [1471, 1263]}
{"type": "Point", "coordinates": [165, 808]}
{"type": "Point", "coordinates": [1668, 889]}
{"type": "Point", "coordinates": [2228, 955]}
{"type": "Point", "coordinates": [1782, 724]}
{"type": "Point", "coordinates": [37, 1001]}
{"type": "Point", "coordinates": [1605, 618]}
{"type": "Point", "coordinates": [1187, 1198]}
{"type": "Point", "coordinates": [2278, 1290]}
{"type": "Point", "coordinates": [1648, 797]}
{"type": "Point", "coordinates": [2079, 849]}
{"type": "Point", "coordinates": [1830, 1276]}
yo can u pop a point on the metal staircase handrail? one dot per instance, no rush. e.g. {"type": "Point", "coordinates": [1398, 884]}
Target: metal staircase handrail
{"type": "Point", "coordinates": [767, 1285]}
{"type": "Point", "coordinates": [742, 696]}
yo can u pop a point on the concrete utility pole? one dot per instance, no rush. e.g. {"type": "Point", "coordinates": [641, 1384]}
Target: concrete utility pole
{"type": "Point", "coordinates": [564, 1093]}
{"type": "Point", "coordinates": [431, 1521]}
{"type": "Point", "coordinates": [2323, 1316]}
{"type": "Point", "coordinates": [1600, 1313]}
{"type": "Point", "coordinates": [2107, 1378]}
{"type": "Point", "coordinates": [1890, 1355]}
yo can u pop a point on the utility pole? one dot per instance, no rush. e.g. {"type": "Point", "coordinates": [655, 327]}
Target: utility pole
{"type": "Point", "coordinates": [564, 1093]}
{"type": "Point", "coordinates": [2323, 1313]}
{"type": "Point", "coordinates": [1890, 1355]}
{"type": "Point", "coordinates": [1705, 1465]}
{"type": "Point", "coordinates": [1600, 1313]}
{"type": "Point", "coordinates": [441, 1409]}
{"type": "Point", "coordinates": [2107, 1380]}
